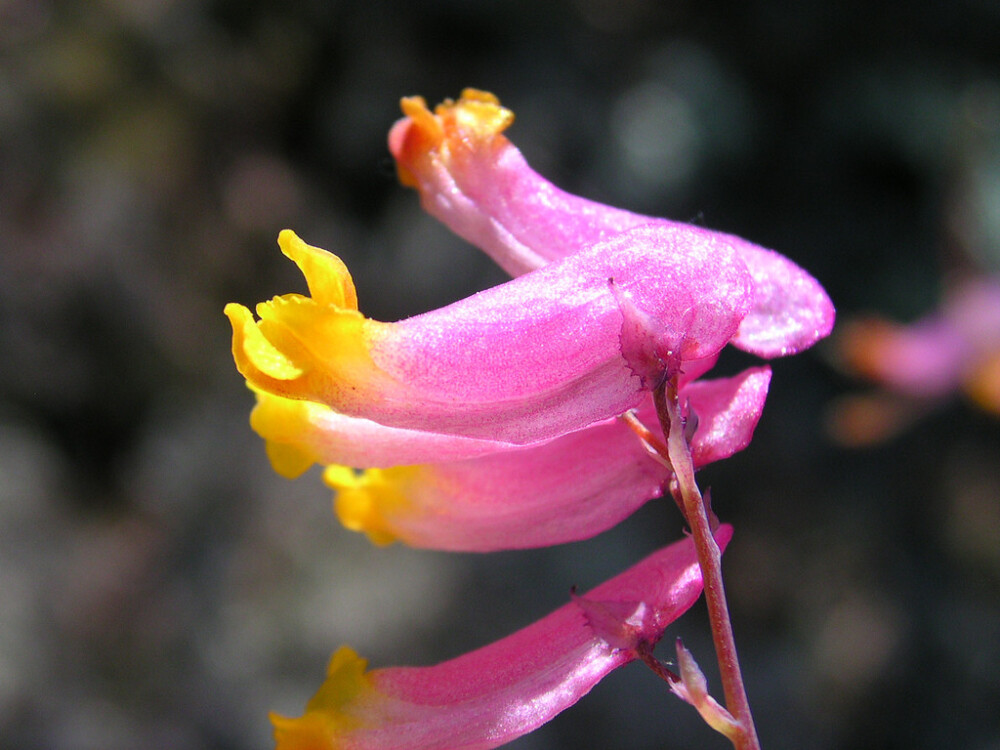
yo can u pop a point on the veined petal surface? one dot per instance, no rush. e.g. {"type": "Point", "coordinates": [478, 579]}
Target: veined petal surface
{"type": "Point", "coordinates": [524, 361]}
{"type": "Point", "coordinates": [474, 180]}
{"type": "Point", "coordinates": [566, 489]}
{"type": "Point", "coordinates": [504, 690]}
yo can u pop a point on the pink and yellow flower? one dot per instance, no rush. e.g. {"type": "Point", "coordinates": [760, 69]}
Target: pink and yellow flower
{"type": "Point", "coordinates": [503, 392]}
{"type": "Point", "coordinates": [502, 691]}
{"type": "Point", "coordinates": [528, 360]}
{"type": "Point", "coordinates": [563, 490]}
{"type": "Point", "coordinates": [474, 180]}
{"type": "Point", "coordinates": [947, 350]}
{"type": "Point", "coordinates": [471, 419]}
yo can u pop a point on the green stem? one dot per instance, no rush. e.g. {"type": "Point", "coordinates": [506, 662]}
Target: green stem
{"type": "Point", "coordinates": [710, 561]}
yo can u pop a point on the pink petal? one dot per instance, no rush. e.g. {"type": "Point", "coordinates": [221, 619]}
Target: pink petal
{"type": "Point", "coordinates": [502, 691]}
{"type": "Point", "coordinates": [301, 433]}
{"type": "Point", "coordinates": [564, 490]}
{"type": "Point", "coordinates": [476, 182]}
{"type": "Point", "coordinates": [541, 355]}
{"type": "Point", "coordinates": [791, 311]}
{"type": "Point", "coordinates": [728, 410]}
{"type": "Point", "coordinates": [524, 361]}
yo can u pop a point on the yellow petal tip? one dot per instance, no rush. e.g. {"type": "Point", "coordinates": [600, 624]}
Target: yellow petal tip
{"type": "Point", "coordinates": [473, 122]}
{"type": "Point", "coordinates": [328, 716]}
{"type": "Point", "coordinates": [476, 112]}
{"type": "Point", "coordinates": [367, 501]}
{"type": "Point", "coordinates": [253, 352]}
{"type": "Point", "coordinates": [329, 281]}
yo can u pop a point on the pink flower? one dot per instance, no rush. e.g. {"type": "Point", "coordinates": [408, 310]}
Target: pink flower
{"type": "Point", "coordinates": [508, 419]}
{"type": "Point", "coordinates": [502, 691]}
{"type": "Point", "coordinates": [528, 360]}
{"type": "Point", "coordinates": [474, 180]}
{"type": "Point", "coordinates": [938, 354]}
{"type": "Point", "coordinates": [562, 490]}
{"type": "Point", "coordinates": [955, 348]}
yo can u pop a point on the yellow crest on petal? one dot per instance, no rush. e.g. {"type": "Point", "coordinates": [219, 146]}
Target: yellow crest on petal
{"type": "Point", "coordinates": [308, 348]}
{"type": "Point", "coordinates": [251, 347]}
{"type": "Point", "coordinates": [331, 339]}
{"type": "Point", "coordinates": [368, 500]}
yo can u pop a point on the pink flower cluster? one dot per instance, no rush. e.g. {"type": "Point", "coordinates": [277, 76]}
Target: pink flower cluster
{"type": "Point", "coordinates": [496, 422]}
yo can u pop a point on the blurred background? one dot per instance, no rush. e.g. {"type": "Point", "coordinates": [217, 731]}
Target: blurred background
{"type": "Point", "coordinates": [161, 587]}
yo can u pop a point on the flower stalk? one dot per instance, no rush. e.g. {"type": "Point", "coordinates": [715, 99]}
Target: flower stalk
{"type": "Point", "coordinates": [701, 521]}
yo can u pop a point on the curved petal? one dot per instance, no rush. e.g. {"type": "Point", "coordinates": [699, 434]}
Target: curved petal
{"type": "Point", "coordinates": [502, 691]}
{"type": "Point", "coordinates": [791, 311]}
{"type": "Point", "coordinates": [728, 410]}
{"type": "Point", "coordinates": [564, 490]}
{"type": "Point", "coordinates": [476, 182]}
{"type": "Point", "coordinates": [507, 364]}
{"type": "Point", "coordinates": [301, 433]}
{"type": "Point", "coordinates": [472, 179]}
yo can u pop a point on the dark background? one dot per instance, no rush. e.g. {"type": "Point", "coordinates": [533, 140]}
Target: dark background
{"type": "Point", "coordinates": [160, 587]}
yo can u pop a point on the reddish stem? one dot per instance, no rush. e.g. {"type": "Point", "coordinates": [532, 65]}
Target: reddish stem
{"type": "Point", "coordinates": [710, 561]}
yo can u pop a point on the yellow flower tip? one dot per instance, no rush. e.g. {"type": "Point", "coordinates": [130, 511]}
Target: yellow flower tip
{"type": "Point", "coordinates": [423, 120]}
{"type": "Point", "coordinates": [474, 120]}
{"type": "Point", "coordinates": [368, 501]}
{"type": "Point", "coordinates": [288, 460]}
{"type": "Point", "coordinates": [415, 137]}
{"type": "Point", "coordinates": [309, 732]}
{"type": "Point", "coordinates": [346, 679]}
{"type": "Point", "coordinates": [329, 281]}
{"type": "Point", "coordinates": [256, 356]}
{"type": "Point", "coordinates": [325, 718]}
{"type": "Point", "coordinates": [470, 94]}
{"type": "Point", "coordinates": [285, 425]}
{"type": "Point", "coordinates": [476, 113]}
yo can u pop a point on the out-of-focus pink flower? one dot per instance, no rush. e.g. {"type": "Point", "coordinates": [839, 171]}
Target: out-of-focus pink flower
{"type": "Point", "coordinates": [955, 348]}
{"type": "Point", "coordinates": [502, 691]}
{"type": "Point", "coordinates": [473, 179]}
